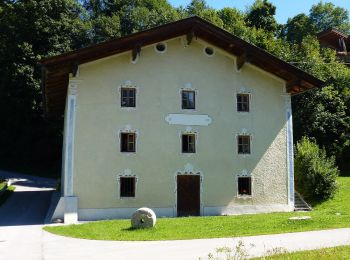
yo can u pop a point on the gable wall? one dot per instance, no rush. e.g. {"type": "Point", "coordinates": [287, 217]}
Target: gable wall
{"type": "Point", "coordinates": [159, 78]}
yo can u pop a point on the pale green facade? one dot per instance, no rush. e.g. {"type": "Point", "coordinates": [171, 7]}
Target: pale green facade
{"type": "Point", "coordinates": [159, 78]}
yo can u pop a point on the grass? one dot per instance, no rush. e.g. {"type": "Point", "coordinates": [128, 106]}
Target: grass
{"type": "Point", "coordinates": [2, 185]}
{"type": "Point", "coordinates": [6, 194]}
{"type": "Point", "coordinates": [323, 217]}
{"type": "Point", "coordinates": [340, 252]}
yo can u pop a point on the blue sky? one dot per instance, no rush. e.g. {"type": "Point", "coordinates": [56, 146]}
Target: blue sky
{"type": "Point", "coordinates": [285, 8]}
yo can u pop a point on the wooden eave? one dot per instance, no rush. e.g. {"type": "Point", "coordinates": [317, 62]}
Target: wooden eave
{"type": "Point", "coordinates": [56, 69]}
{"type": "Point", "coordinates": [332, 36]}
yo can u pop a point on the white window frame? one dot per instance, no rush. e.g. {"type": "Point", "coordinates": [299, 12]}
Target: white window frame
{"type": "Point", "coordinates": [128, 130]}
{"type": "Point", "coordinates": [243, 91]}
{"type": "Point", "coordinates": [128, 85]}
{"type": "Point", "coordinates": [244, 132]}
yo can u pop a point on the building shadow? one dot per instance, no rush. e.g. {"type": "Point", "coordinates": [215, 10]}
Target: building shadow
{"type": "Point", "coordinates": [25, 208]}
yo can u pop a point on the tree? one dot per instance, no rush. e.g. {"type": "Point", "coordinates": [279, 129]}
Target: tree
{"type": "Point", "coordinates": [29, 31]}
{"type": "Point", "coordinates": [261, 16]}
{"type": "Point", "coordinates": [315, 173]}
{"type": "Point", "coordinates": [327, 15]}
{"type": "Point", "coordinates": [233, 20]}
{"type": "Point", "coordinates": [297, 28]}
{"type": "Point", "coordinates": [196, 7]}
{"type": "Point", "coordinates": [323, 113]}
{"type": "Point", "coordinates": [117, 17]}
{"type": "Point", "coordinates": [201, 9]}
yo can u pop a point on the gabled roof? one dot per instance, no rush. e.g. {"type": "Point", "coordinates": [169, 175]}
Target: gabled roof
{"type": "Point", "coordinates": [332, 36]}
{"type": "Point", "coordinates": [56, 69]}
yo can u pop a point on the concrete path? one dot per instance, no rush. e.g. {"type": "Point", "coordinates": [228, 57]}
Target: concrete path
{"type": "Point", "coordinates": [22, 216]}
{"type": "Point", "coordinates": [29, 203]}
{"type": "Point", "coordinates": [22, 237]}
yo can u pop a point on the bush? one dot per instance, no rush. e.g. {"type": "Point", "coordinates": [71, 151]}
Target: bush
{"type": "Point", "coordinates": [315, 173]}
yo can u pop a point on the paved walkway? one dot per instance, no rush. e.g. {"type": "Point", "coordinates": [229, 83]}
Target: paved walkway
{"type": "Point", "coordinates": [20, 239]}
{"type": "Point", "coordinates": [30, 201]}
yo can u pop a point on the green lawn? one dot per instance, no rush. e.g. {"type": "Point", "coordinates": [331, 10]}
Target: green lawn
{"type": "Point", "coordinates": [323, 217]}
{"type": "Point", "coordinates": [333, 253]}
{"type": "Point", "coordinates": [2, 185]}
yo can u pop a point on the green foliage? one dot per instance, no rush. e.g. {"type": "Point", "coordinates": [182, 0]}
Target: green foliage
{"type": "Point", "coordinates": [327, 15]}
{"type": "Point", "coordinates": [29, 31]}
{"type": "Point", "coordinates": [118, 17]}
{"type": "Point", "coordinates": [315, 173]}
{"type": "Point", "coordinates": [233, 20]}
{"type": "Point", "coordinates": [261, 16]}
{"type": "Point", "coordinates": [297, 28]}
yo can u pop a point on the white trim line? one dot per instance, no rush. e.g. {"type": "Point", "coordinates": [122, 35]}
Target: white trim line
{"type": "Point", "coordinates": [290, 152]}
{"type": "Point", "coordinates": [69, 139]}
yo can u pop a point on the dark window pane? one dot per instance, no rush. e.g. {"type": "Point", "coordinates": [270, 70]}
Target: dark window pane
{"type": "Point", "coordinates": [243, 102]}
{"type": "Point", "coordinates": [244, 144]}
{"type": "Point", "coordinates": [127, 142]}
{"type": "Point", "coordinates": [127, 187]}
{"type": "Point", "coordinates": [128, 97]}
{"type": "Point", "coordinates": [188, 99]}
{"type": "Point", "coordinates": [244, 186]}
{"type": "Point", "coordinates": [189, 143]}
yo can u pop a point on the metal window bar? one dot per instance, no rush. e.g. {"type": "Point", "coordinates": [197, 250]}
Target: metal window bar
{"type": "Point", "coordinates": [244, 185]}
{"type": "Point", "coordinates": [128, 97]}
{"type": "Point", "coordinates": [127, 187]}
{"type": "Point", "coordinates": [244, 144]}
{"type": "Point", "coordinates": [243, 102]}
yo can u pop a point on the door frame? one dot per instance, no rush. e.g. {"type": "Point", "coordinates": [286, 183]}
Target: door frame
{"type": "Point", "coordinates": [201, 208]}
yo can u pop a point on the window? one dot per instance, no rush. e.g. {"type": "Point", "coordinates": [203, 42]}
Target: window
{"type": "Point", "coordinates": [127, 186]}
{"type": "Point", "coordinates": [244, 186]}
{"type": "Point", "coordinates": [188, 99]}
{"type": "Point", "coordinates": [128, 97]}
{"type": "Point", "coordinates": [127, 142]}
{"type": "Point", "coordinates": [160, 47]}
{"type": "Point", "coordinates": [243, 144]}
{"type": "Point", "coordinates": [209, 51]}
{"type": "Point", "coordinates": [188, 143]}
{"type": "Point", "coordinates": [243, 102]}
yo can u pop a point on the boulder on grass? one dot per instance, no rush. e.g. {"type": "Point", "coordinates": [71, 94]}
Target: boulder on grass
{"type": "Point", "coordinates": [143, 218]}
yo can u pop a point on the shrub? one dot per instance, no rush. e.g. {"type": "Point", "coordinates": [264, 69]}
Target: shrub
{"type": "Point", "coordinates": [315, 173]}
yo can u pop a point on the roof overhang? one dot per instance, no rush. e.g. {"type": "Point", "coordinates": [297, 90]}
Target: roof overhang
{"type": "Point", "coordinates": [56, 69]}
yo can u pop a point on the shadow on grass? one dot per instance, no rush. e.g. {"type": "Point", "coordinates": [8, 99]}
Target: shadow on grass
{"type": "Point", "coordinates": [6, 194]}
{"type": "Point", "coordinates": [136, 229]}
{"type": "Point", "coordinates": [345, 173]}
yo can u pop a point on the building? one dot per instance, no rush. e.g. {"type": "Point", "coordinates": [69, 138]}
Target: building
{"type": "Point", "coordinates": [336, 40]}
{"type": "Point", "coordinates": [184, 118]}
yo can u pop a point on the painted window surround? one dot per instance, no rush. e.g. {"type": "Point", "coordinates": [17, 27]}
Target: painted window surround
{"type": "Point", "coordinates": [128, 129]}
{"type": "Point", "coordinates": [158, 51]}
{"type": "Point", "coordinates": [243, 90]}
{"type": "Point", "coordinates": [244, 132]}
{"type": "Point", "coordinates": [188, 87]}
{"type": "Point", "coordinates": [188, 130]}
{"type": "Point", "coordinates": [131, 85]}
{"type": "Point", "coordinates": [244, 173]}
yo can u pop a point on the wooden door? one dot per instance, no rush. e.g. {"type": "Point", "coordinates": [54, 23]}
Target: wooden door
{"type": "Point", "coordinates": [188, 195]}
